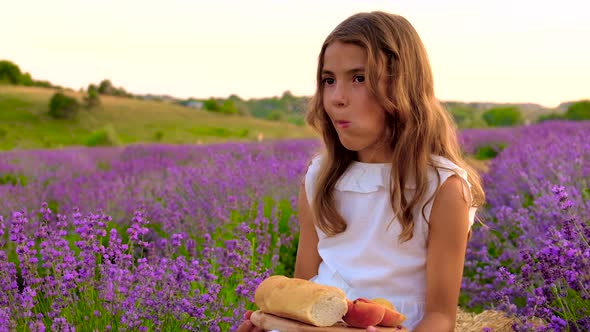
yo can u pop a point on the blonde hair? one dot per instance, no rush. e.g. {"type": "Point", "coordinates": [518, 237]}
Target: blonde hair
{"type": "Point", "coordinates": [417, 125]}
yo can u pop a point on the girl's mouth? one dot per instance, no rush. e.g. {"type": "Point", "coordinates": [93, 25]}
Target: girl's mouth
{"type": "Point", "coordinates": [343, 124]}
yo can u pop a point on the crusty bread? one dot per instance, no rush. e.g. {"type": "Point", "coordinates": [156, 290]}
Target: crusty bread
{"type": "Point", "coordinates": [301, 300]}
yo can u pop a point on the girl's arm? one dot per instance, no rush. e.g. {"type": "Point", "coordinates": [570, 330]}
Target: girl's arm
{"type": "Point", "coordinates": [447, 243]}
{"type": "Point", "coordinates": [308, 260]}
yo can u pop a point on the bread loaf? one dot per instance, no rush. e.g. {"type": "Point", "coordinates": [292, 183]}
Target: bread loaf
{"type": "Point", "coordinates": [301, 300]}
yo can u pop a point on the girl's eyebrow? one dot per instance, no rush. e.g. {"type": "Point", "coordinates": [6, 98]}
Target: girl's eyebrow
{"type": "Point", "coordinates": [348, 72]}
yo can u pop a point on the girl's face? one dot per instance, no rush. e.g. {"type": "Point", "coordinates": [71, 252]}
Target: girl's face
{"type": "Point", "coordinates": [355, 113]}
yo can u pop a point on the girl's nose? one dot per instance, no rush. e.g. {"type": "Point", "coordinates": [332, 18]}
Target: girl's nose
{"type": "Point", "coordinates": [339, 97]}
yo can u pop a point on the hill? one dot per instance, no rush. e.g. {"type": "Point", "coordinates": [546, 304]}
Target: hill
{"type": "Point", "coordinates": [24, 122]}
{"type": "Point", "coordinates": [530, 111]}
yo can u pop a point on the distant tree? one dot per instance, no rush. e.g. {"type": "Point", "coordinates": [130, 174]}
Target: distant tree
{"type": "Point", "coordinates": [242, 109]}
{"type": "Point", "coordinates": [229, 107]}
{"type": "Point", "coordinates": [578, 111]}
{"type": "Point", "coordinates": [62, 106]}
{"type": "Point", "coordinates": [211, 105]}
{"type": "Point", "coordinates": [105, 87]}
{"type": "Point", "coordinates": [235, 98]}
{"type": "Point", "coordinates": [26, 80]}
{"type": "Point", "coordinates": [503, 116]}
{"type": "Point", "coordinates": [288, 101]}
{"type": "Point", "coordinates": [550, 116]}
{"type": "Point", "coordinates": [461, 113]}
{"type": "Point", "coordinates": [287, 97]}
{"type": "Point", "coordinates": [120, 92]}
{"type": "Point", "coordinates": [92, 96]}
{"type": "Point", "coordinates": [241, 105]}
{"type": "Point", "coordinates": [9, 72]}
{"type": "Point", "coordinates": [465, 116]}
{"type": "Point", "coordinates": [43, 84]}
{"type": "Point", "coordinates": [276, 115]}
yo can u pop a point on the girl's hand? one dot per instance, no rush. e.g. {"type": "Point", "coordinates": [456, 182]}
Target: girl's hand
{"type": "Point", "coordinates": [247, 325]}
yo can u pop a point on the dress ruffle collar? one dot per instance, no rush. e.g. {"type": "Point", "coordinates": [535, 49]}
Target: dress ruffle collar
{"type": "Point", "coordinates": [371, 177]}
{"type": "Point", "coordinates": [365, 177]}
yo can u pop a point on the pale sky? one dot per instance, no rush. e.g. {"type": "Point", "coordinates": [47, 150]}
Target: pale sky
{"type": "Point", "coordinates": [499, 51]}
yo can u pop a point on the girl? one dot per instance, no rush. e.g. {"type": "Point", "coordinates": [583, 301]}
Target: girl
{"type": "Point", "coordinates": [386, 209]}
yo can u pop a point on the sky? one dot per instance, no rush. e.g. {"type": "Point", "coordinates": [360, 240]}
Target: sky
{"type": "Point", "coordinates": [516, 51]}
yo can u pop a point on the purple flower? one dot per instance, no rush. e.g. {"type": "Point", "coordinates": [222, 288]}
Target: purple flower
{"type": "Point", "coordinates": [189, 231]}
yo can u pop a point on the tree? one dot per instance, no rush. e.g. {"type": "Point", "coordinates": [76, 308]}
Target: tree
{"type": "Point", "coordinates": [229, 107]}
{"type": "Point", "coordinates": [43, 84]}
{"type": "Point", "coordinates": [235, 98]}
{"type": "Point", "coordinates": [211, 105]}
{"type": "Point", "coordinates": [549, 117]}
{"type": "Point", "coordinates": [461, 114]}
{"type": "Point", "coordinates": [62, 106]}
{"type": "Point", "coordinates": [288, 97]}
{"type": "Point", "coordinates": [92, 97]}
{"type": "Point", "coordinates": [578, 111]}
{"type": "Point", "coordinates": [288, 101]}
{"type": "Point", "coordinates": [275, 115]}
{"type": "Point", "coordinates": [105, 87]}
{"type": "Point", "coordinates": [26, 80]}
{"type": "Point", "coordinates": [9, 72]}
{"type": "Point", "coordinates": [503, 116]}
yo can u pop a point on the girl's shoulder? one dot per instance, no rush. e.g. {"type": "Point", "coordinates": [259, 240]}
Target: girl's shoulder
{"type": "Point", "coordinates": [445, 169]}
{"type": "Point", "coordinates": [315, 160]}
{"type": "Point", "coordinates": [441, 162]}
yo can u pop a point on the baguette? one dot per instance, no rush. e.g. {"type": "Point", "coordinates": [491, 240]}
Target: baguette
{"type": "Point", "coordinates": [301, 300]}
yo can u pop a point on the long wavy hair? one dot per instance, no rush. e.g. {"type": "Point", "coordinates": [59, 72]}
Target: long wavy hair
{"type": "Point", "coordinates": [417, 125]}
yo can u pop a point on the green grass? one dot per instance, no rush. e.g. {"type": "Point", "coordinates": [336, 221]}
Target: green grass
{"type": "Point", "coordinates": [24, 123]}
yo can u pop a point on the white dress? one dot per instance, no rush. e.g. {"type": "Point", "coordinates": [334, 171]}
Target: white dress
{"type": "Point", "coordinates": [366, 260]}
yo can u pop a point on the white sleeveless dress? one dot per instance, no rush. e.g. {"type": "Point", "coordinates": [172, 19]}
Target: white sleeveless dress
{"type": "Point", "coordinates": [366, 260]}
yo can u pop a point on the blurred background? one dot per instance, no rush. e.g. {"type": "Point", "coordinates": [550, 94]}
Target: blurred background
{"type": "Point", "coordinates": [198, 62]}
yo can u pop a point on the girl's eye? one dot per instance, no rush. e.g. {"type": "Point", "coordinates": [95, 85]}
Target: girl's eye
{"type": "Point", "coordinates": [359, 78]}
{"type": "Point", "coordinates": [328, 80]}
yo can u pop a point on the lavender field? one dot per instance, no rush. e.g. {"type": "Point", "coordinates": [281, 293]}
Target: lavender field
{"type": "Point", "coordinates": [162, 238]}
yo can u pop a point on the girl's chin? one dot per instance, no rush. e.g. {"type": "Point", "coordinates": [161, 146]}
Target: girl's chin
{"type": "Point", "coordinates": [350, 147]}
{"type": "Point", "coordinates": [352, 143]}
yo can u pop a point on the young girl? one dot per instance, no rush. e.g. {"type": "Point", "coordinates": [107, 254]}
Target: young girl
{"type": "Point", "coordinates": [386, 209]}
